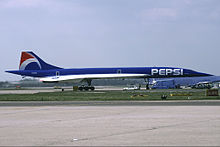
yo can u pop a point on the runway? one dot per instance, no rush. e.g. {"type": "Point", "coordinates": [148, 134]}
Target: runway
{"type": "Point", "coordinates": [112, 103]}
{"type": "Point", "coordinates": [110, 123]}
{"type": "Point", "coordinates": [67, 125]}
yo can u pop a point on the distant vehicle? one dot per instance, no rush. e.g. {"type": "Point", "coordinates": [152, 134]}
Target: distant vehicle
{"type": "Point", "coordinates": [33, 66]}
{"type": "Point", "coordinates": [131, 87]}
{"type": "Point", "coordinates": [185, 87]}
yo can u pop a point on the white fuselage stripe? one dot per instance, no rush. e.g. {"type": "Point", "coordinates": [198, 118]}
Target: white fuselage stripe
{"type": "Point", "coordinates": [90, 76]}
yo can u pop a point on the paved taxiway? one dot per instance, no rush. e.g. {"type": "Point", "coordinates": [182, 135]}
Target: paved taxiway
{"type": "Point", "coordinates": [32, 90]}
{"type": "Point", "coordinates": [112, 103]}
{"type": "Point", "coordinates": [98, 124]}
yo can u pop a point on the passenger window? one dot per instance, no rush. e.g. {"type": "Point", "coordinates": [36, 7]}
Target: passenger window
{"type": "Point", "coordinates": [119, 71]}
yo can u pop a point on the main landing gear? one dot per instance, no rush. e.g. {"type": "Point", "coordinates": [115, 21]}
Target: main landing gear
{"type": "Point", "coordinates": [87, 88]}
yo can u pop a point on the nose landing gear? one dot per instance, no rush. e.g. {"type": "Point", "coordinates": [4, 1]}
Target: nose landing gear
{"type": "Point", "coordinates": [147, 83]}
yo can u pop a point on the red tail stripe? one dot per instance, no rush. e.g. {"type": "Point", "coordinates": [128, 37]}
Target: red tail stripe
{"type": "Point", "coordinates": [25, 56]}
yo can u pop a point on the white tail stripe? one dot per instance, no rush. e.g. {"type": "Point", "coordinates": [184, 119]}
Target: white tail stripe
{"type": "Point", "coordinates": [28, 61]}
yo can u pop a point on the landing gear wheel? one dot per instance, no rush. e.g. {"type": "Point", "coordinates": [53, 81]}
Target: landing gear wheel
{"type": "Point", "coordinates": [81, 88]}
{"type": "Point", "coordinates": [86, 88]}
{"type": "Point", "coordinates": [92, 88]}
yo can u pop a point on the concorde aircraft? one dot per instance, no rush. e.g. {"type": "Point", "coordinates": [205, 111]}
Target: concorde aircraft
{"type": "Point", "coordinates": [33, 66]}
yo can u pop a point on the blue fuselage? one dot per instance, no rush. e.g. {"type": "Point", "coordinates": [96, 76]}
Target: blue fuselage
{"type": "Point", "coordinates": [150, 72]}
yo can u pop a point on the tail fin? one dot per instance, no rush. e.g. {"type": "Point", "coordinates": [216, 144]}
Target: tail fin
{"type": "Point", "coordinates": [30, 61]}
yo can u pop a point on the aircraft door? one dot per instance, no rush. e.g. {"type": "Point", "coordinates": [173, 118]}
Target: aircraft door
{"type": "Point", "coordinates": [57, 73]}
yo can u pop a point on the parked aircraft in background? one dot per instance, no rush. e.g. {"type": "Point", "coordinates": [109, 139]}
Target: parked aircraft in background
{"type": "Point", "coordinates": [33, 66]}
{"type": "Point", "coordinates": [206, 84]}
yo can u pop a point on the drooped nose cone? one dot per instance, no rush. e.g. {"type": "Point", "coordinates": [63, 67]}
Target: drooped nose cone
{"type": "Point", "coordinates": [203, 74]}
{"type": "Point", "coordinates": [196, 74]}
